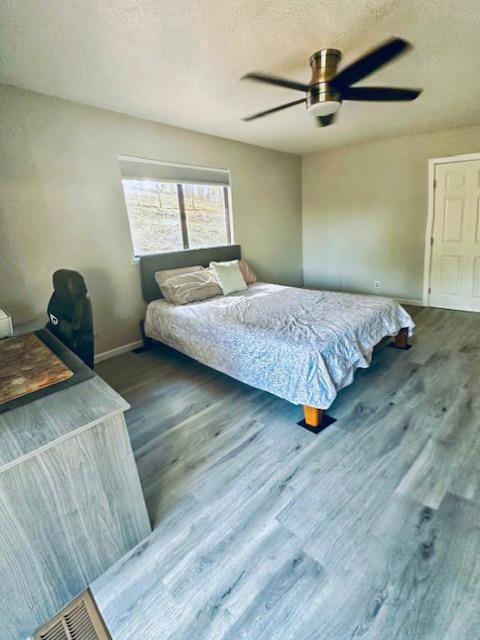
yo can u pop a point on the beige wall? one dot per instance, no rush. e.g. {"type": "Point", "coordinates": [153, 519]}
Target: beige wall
{"type": "Point", "coordinates": [365, 211]}
{"type": "Point", "coordinates": [61, 204]}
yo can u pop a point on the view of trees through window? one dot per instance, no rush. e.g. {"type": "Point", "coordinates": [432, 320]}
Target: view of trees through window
{"type": "Point", "coordinates": [166, 216]}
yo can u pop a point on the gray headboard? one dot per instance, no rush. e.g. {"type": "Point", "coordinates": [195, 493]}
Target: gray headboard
{"type": "Point", "coordinates": [189, 258]}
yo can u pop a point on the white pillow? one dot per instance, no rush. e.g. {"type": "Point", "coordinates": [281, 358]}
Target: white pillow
{"type": "Point", "coordinates": [191, 287]}
{"type": "Point", "coordinates": [229, 276]}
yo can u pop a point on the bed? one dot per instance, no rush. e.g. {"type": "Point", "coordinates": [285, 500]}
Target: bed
{"type": "Point", "coordinates": [300, 344]}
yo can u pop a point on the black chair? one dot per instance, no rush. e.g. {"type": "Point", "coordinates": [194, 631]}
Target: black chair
{"type": "Point", "coordinates": [70, 314]}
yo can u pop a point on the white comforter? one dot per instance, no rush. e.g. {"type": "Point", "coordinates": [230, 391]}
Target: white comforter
{"type": "Point", "coordinates": [299, 344]}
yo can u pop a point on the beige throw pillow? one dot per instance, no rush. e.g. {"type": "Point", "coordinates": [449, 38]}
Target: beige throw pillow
{"type": "Point", "coordinates": [229, 276]}
{"type": "Point", "coordinates": [162, 276]}
{"type": "Point", "coordinates": [191, 287]}
{"type": "Point", "coordinates": [247, 273]}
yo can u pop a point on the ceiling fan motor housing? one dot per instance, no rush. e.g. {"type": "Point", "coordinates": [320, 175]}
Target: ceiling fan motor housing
{"type": "Point", "coordinates": [323, 98]}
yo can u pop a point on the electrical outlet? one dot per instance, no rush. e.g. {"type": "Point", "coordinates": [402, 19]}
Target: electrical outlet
{"type": "Point", "coordinates": [377, 284]}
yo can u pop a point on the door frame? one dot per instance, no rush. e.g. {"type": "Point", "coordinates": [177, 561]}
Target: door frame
{"type": "Point", "coordinates": [432, 163]}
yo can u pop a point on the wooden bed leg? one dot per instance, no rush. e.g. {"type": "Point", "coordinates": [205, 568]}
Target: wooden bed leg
{"type": "Point", "coordinates": [313, 416]}
{"type": "Point", "coordinates": [401, 339]}
{"type": "Point", "coordinates": [315, 420]}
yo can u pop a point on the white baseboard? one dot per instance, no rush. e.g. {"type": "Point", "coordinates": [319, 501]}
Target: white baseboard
{"type": "Point", "coordinates": [118, 351]}
{"type": "Point", "coordinates": [411, 301]}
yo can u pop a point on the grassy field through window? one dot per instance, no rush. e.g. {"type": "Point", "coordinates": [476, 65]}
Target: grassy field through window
{"type": "Point", "coordinates": [205, 211]}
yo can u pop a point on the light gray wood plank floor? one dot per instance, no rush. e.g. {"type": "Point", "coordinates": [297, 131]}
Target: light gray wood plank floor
{"type": "Point", "coordinates": [264, 531]}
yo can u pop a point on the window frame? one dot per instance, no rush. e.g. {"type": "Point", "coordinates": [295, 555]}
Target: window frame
{"type": "Point", "coordinates": [226, 189]}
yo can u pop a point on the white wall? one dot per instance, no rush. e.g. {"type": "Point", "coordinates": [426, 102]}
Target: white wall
{"type": "Point", "coordinates": [61, 204]}
{"type": "Point", "coordinates": [365, 211]}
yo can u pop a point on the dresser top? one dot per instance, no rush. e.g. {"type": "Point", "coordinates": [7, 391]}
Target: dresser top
{"type": "Point", "coordinates": [44, 422]}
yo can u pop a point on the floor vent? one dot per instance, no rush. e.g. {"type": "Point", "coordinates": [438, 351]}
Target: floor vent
{"type": "Point", "coordinates": [79, 620]}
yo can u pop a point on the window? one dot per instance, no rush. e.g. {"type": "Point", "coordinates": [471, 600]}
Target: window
{"type": "Point", "coordinates": [168, 215]}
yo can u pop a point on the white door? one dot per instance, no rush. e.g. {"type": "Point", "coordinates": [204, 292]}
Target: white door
{"type": "Point", "coordinates": [455, 265]}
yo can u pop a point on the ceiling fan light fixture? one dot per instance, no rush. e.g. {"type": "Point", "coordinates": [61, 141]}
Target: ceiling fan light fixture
{"type": "Point", "coordinates": [325, 108]}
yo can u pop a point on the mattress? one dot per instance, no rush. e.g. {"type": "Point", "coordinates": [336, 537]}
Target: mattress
{"type": "Point", "coordinates": [299, 344]}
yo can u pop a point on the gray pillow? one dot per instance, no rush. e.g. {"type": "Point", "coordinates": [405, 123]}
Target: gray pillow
{"type": "Point", "coordinates": [191, 287]}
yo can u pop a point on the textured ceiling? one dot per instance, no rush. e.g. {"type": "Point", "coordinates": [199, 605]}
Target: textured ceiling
{"type": "Point", "coordinates": [179, 61]}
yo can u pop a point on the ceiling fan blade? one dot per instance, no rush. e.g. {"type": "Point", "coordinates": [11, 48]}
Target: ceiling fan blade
{"type": "Point", "coordinates": [379, 94]}
{"type": "Point", "coordinates": [265, 113]}
{"type": "Point", "coordinates": [279, 82]}
{"type": "Point", "coordinates": [371, 61]}
{"type": "Point", "coordinates": [324, 121]}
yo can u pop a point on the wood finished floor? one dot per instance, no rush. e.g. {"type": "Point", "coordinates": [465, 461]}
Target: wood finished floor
{"type": "Point", "coordinates": [264, 531]}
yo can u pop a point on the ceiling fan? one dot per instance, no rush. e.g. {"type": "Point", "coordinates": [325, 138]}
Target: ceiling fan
{"type": "Point", "coordinates": [327, 88]}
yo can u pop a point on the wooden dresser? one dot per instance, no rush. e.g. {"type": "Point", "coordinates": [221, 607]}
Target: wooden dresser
{"type": "Point", "coordinates": [71, 503]}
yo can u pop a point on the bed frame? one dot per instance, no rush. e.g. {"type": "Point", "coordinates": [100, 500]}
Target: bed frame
{"type": "Point", "coordinates": [314, 419]}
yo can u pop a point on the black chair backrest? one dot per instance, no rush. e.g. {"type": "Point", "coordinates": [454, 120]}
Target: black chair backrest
{"type": "Point", "coordinates": [70, 314]}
